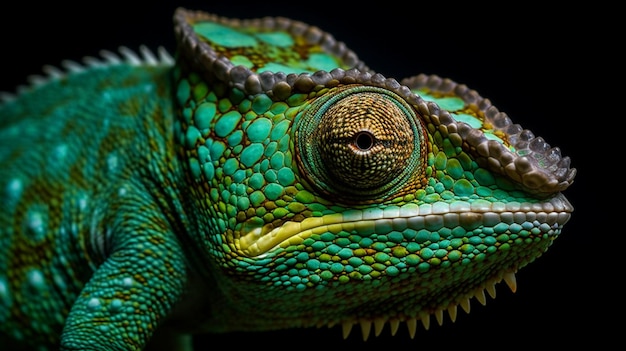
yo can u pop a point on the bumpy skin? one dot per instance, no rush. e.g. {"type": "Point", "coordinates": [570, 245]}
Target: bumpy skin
{"type": "Point", "coordinates": [266, 179]}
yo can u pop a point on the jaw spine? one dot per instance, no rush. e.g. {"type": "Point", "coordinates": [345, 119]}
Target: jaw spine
{"type": "Point", "coordinates": [394, 324]}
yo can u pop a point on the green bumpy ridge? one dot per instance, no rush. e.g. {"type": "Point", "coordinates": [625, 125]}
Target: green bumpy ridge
{"type": "Point", "coordinates": [461, 112]}
{"type": "Point", "coordinates": [261, 51]}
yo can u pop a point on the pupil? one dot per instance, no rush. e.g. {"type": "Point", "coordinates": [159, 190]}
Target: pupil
{"type": "Point", "coordinates": [364, 141]}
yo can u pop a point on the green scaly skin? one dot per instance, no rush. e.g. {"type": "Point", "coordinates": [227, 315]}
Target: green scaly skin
{"type": "Point", "coordinates": [266, 179]}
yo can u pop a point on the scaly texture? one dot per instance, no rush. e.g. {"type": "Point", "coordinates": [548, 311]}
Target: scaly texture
{"type": "Point", "coordinates": [264, 179]}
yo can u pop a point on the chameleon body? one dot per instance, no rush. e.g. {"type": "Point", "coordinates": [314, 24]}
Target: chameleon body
{"type": "Point", "coordinates": [264, 178]}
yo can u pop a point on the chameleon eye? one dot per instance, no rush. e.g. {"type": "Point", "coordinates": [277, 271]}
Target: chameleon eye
{"type": "Point", "coordinates": [362, 142]}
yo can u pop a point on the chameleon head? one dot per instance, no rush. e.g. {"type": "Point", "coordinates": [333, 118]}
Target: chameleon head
{"type": "Point", "coordinates": [346, 197]}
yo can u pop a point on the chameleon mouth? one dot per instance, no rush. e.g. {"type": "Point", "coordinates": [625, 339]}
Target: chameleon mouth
{"type": "Point", "coordinates": [553, 213]}
{"type": "Point", "coordinates": [488, 286]}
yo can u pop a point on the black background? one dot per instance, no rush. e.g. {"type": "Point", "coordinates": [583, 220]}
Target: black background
{"type": "Point", "coordinates": [532, 63]}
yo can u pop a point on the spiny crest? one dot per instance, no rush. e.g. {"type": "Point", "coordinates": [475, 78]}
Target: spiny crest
{"type": "Point", "coordinates": [107, 58]}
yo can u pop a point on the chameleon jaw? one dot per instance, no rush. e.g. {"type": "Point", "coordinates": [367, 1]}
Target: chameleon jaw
{"type": "Point", "coordinates": [394, 323]}
{"type": "Point", "coordinates": [260, 240]}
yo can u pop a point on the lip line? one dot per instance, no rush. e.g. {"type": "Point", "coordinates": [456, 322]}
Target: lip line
{"type": "Point", "coordinates": [257, 242]}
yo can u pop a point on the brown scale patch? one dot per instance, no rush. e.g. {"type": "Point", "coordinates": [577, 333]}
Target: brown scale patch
{"type": "Point", "coordinates": [69, 131]}
{"type": "Point", "coordinates": [116, 138]}
{"type": "Point", "coordinates": [46, 196]}
{"type": "Point", "coordinates": [31, 250]}
{"type": "Point", "coordinates": [77, 173]}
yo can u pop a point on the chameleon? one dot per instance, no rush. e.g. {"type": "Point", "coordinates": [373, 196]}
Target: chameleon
{"type": "Point", "coordinates": [261, 178]}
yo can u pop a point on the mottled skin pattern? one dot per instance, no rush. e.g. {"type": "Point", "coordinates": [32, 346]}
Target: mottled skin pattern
{"type": "Point", "coordinates": [251, 185]}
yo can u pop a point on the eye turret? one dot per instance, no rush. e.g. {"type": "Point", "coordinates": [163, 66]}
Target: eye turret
{"type": "Point", "coordinates": [361, 142]}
